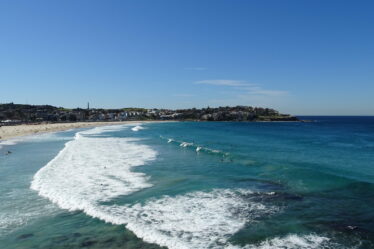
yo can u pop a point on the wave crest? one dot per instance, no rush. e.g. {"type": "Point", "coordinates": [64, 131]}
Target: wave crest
{"type": "Point", "coordinates": [90, 170]}
{"type": "Point", "coordinates": [197, 148]}
{"type": "Point", "coordinates": [137, 128]}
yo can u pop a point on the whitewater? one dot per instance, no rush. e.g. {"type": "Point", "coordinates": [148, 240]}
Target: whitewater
{"type": "Point", "coordinates": [93, 170]}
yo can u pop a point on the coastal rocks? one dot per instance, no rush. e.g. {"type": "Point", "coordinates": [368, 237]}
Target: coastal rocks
{"type": "Point", "coordinates": [352, 227]}
{"type": "Point", "coordinates": [234, 115]}
{"type": "Point", "coordinates": [25, 236]}
{"type": "Point", "coordinates": [88, 243]}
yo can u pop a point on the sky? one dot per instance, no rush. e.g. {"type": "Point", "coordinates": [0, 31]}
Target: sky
{"type": "Point", "coordinates": [300, 57]}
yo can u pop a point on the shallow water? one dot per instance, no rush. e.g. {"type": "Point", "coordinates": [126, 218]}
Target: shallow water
{"type": "Point", "coordinates": [192, 185]}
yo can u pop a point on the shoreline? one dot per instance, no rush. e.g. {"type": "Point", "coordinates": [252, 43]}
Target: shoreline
{"type": "Point", "coordinates": [13, 131]}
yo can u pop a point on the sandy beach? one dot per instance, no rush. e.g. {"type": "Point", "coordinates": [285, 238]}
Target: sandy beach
{"type": "Point", "coordinates": [7, 132]}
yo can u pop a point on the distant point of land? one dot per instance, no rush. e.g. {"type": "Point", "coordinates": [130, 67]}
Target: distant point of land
{"type": "Point", "coordinates": [18, 113]}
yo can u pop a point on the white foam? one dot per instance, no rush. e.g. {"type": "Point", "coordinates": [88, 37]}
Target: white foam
{"type": "Point", "coordinates": [198, 148]}
{"type": "Point", "coordinates": [185, 144]}
{"type": "Point", "coordinates": [102, 129]}
{"type": "Point", "coordinates": [17, 211]}
{"type": "Point", "coordinates": [43, 137]}
{"type": "Point", "coordinates": [90, 170]}
{"type": "Point", "coordinates": [8, 142]}
{"type": "Point", "coordinates": [293, 241]}
{"type": "Point", "coordinates": [194, 220]}
{"type": "Point", "coordinates": [137, 128]}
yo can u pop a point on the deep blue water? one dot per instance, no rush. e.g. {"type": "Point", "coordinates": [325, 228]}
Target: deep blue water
{"type": "Point", "coordinates": [192, 185]}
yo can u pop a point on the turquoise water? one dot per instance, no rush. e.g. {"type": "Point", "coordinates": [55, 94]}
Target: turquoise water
{"type": "Point", "coordinates": [192, 185]}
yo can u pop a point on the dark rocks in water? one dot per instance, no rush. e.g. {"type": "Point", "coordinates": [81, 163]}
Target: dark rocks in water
{"type": "Point", "coordinates": [292, 197]}
{"type": "Point", "coordinates": [88, 243]}
{"type": "Point", "coordinates": [25, 236]}
{"type": "Point", "coordinates": [60, 239]}
{"type": "Point", "coordinates": [352, 227]}
{"type": "Point", "coordinates": [343, 227]}
{"type": "Point", "coordinates": [110, 240]}
{"type": "Point", "coordinates": [276, 196]}
{"type": "Point", "coordinates": [76, 235]}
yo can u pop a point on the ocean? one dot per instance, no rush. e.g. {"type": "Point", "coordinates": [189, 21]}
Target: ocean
{"type": "Point", "coordinates": [234, 185]}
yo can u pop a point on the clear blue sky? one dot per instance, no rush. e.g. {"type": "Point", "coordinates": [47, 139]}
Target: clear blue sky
{"type": "Point", "coordinates": [300, 57]}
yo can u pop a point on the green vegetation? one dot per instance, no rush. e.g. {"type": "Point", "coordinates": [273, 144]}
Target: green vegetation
{"type": "Point", "coordinates": [15, 113]}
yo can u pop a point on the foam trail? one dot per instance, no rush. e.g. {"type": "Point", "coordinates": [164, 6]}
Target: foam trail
{"type": "Point", "coordinates": [8, 142]}
{"type": "Point", "coordinates": [197, 148]}
{"type": "Point", "coordinates": [51, 136]}
{"type": "Point", "coordinates": [102, 129]}
{"type": "Point", "coordinates": [90, 170]}
{"type": "Point", "coordinates": [194, 220]}
{"type": "Point", "coordinates": [294, 241]}
{"type": "Point", "coordinates": [19, 207]}
{"type": "Point", "coordinates": [185, 144]}
{"type": "Point", "coordinates": [93, 169]}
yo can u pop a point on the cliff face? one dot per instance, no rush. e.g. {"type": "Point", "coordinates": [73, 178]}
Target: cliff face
{"type": "Point", "coordinates": [237, 113]}
{"type": "Point", "coordinates": [24, 112]}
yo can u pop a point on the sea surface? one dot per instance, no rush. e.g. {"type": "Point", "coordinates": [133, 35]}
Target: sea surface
{"type": "Point", "coordinates": [192, 185]}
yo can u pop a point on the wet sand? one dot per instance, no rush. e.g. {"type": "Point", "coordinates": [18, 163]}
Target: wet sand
{"type": "Point", "coordinates": [7, 132]}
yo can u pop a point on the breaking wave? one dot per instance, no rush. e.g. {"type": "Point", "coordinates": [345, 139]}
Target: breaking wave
{"type": "Point", "coordinates": [293, 241]}
{"type": "Point", "coordinates": [90, 170]}
{"type": "Point", "coordinates": [137, 128]}
{"type": "Point", "coordinates": [196, 147]}
{"type": "Point", "coordinates": [194, 220]}
{"type": "Point", "coordinates": [93, 169]}
{"type": "Point", "coordinates": [8, 142]}
{"type": "Point", "coordinates": [42, 137]}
